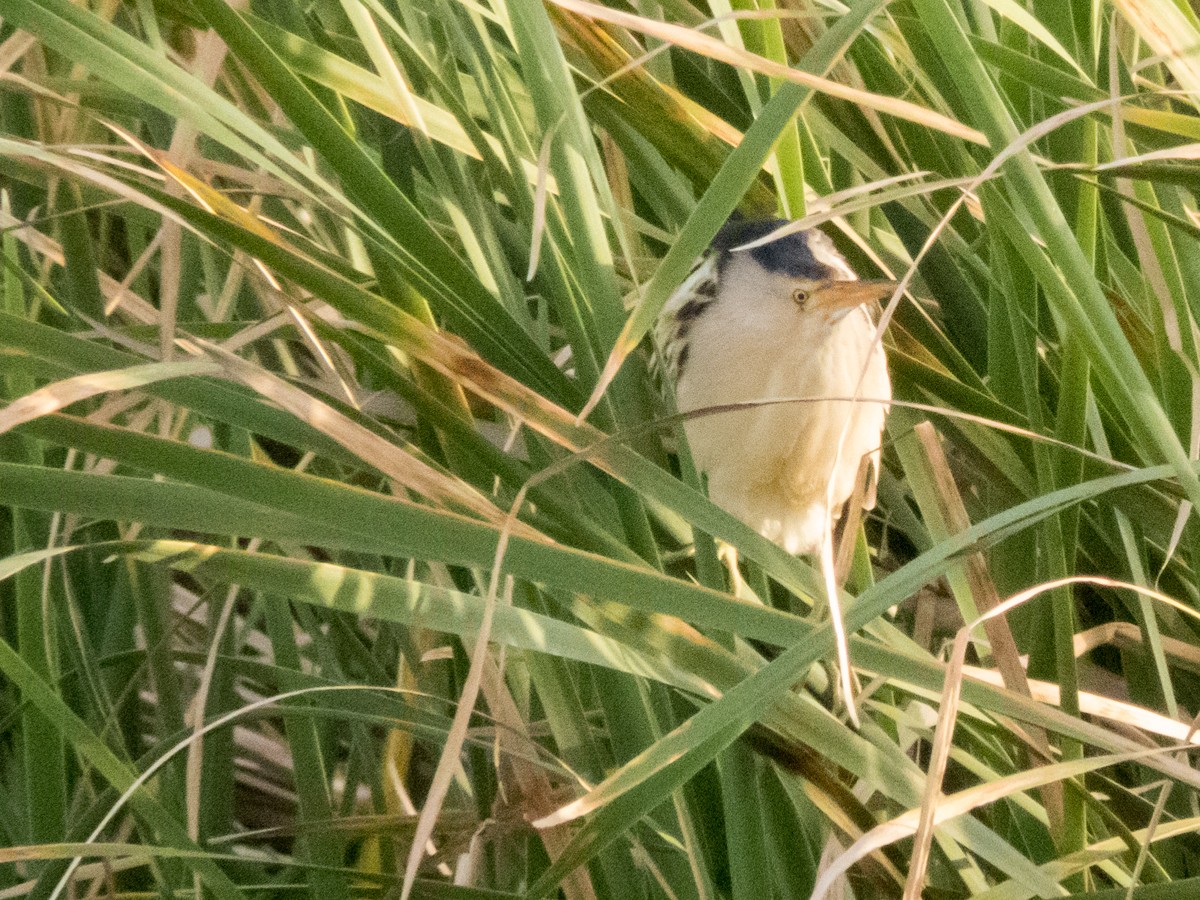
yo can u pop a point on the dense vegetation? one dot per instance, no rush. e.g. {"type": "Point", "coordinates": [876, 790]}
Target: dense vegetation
{"type": "Point", "coordinates": [314, 582]}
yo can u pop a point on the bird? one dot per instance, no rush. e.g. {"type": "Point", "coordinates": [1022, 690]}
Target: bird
{"type": "Point", "coordinates": [787, 318]}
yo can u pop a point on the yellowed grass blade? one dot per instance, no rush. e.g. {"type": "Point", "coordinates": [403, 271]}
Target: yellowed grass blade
{"type": "Point", "coordinates": [208, 197]}
{"type": "Point", "coordinates": [1171, 34]}
{"type": "Point", "coordinates": [692, 40]}
{"type": "Point", "coordinates": [905, 825]}
{"type": "Point", "coordinates": [60, 394]}
{"type": "Point", "coordinates": [932, 803]}
{"type": "Point", "coordinates": [1092, 704]}
{"type": "Point", "coordinates": [389, 458]}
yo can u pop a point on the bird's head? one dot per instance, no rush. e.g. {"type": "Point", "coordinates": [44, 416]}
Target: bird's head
{"type": "Point", "coordinates": [793, 291]}
{"type": "Point", "coordinates": [799, 274]}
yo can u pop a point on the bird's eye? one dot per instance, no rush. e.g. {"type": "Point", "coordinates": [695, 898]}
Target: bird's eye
{"type": "Point", "coordinates": [800, 296]}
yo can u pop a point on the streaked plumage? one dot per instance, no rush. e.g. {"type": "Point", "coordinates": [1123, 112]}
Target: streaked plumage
{"type": "Point", "coordinates": [734, 332]}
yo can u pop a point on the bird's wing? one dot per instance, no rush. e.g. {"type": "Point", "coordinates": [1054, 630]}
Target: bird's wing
{"type": "Point", "coordinates": [679, 312]}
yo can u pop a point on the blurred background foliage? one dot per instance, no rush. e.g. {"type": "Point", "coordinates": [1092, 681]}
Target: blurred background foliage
{"type": "Point", "coordinates": [314, 582]}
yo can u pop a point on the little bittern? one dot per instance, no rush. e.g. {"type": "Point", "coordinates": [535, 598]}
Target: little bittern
{"type": "Point", "coordinates": [786, 319]}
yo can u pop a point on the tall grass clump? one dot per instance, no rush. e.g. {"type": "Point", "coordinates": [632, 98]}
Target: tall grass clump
{"type": "Point", "coordinates": [348, 547]}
